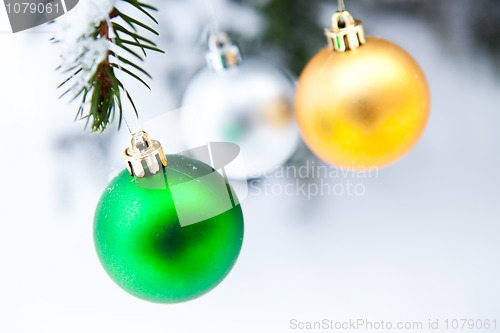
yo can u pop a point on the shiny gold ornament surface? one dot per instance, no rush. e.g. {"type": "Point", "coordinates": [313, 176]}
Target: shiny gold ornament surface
{"type": "Point", "coordinates": [362, 107]}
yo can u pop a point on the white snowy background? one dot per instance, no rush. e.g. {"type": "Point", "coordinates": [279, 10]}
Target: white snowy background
{"type": "Point", "coordinates": [422, 243]}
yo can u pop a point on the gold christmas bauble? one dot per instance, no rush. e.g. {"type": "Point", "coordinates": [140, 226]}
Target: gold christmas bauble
{"type": "Point", "coordinates": [366, 107]}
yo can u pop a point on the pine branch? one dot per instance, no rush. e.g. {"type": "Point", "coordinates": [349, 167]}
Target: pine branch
{"type": "Point", "coordinates": [101, 95]}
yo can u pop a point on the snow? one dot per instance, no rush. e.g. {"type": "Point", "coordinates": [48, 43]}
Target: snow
{"type": "Point", "coordinates": [77, 46]}
{"type": "Point", "coordinates": [80, 20]}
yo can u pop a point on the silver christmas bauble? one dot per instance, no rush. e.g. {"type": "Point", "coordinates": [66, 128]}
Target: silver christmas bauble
{"type": "Point", "coordinates": [249, 104]}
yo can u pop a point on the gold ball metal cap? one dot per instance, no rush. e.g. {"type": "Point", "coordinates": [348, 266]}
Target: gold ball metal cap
{"type": "Point", "coordinates": [346, 33]}
{"type": "Point", "coordinates": [144, 155]}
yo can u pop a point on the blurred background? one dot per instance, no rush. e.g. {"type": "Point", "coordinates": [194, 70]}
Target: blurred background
{"type": "Point", "coordinates": [421, 242]}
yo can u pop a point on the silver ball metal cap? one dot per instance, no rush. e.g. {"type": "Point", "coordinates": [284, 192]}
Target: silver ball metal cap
{"type": "Point", "coordinates": [223, 53]}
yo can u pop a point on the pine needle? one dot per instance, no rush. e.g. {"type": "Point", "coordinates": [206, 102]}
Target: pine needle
{"type": "Point", "coordinates": [104, 90]}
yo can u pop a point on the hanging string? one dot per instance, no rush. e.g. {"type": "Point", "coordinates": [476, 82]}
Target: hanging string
{"type": "Point", "coordinates": [341, 5]}
{"type": "Point", "coordinates": [211, 28]}
{"type": "Point", "coordinates": [214, 24]}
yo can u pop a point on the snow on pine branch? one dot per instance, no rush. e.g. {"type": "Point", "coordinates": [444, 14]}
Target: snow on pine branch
{"type": "Point", "coordinates": [93, 45]}
{"type": "Point", "coordinates": [74, 32]}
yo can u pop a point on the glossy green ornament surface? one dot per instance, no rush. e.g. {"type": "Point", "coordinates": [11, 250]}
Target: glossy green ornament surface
{"type": "Point", "coordinates": [170, 237]}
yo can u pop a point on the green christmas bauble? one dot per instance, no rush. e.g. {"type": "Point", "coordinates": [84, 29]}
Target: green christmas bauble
{"type": "Point", "coordinates": [169, 237]}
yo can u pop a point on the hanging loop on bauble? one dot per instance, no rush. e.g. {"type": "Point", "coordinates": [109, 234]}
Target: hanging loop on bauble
{"type": "Point", "coordinates": [346, 33]}
{"type": "Point", "coordinates": [223, 54]}
{"type": "Point", "coordinates": [144, 155]}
